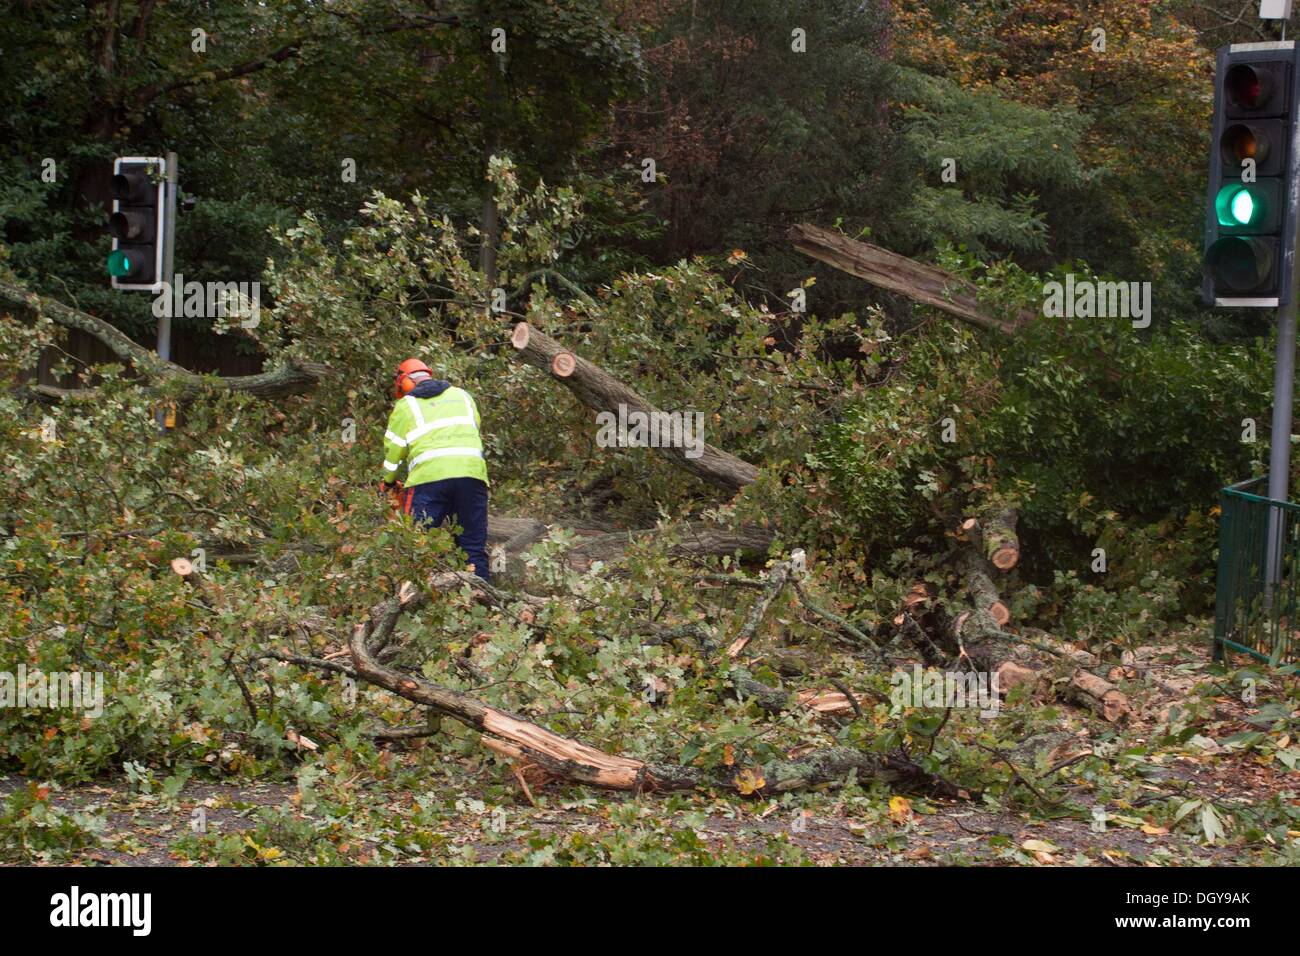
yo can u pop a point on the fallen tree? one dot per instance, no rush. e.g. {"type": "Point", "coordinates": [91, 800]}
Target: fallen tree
{"type": "Point", "coordinates": [290, 379]}
{"type": "Point", "coordinates": [922, 283]}
{"type": "Point", "coordinates": [602, 392]}
{"type": "Point", "coordinates": [567, 759]}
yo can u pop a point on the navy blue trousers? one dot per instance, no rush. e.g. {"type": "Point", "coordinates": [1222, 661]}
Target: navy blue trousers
{"type": "Point", "coordinates": [465, 500]}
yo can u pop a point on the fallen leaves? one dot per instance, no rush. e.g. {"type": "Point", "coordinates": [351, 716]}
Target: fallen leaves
{"type": "Point", "coordinates": [749, 782]}
{"type": "Point", "coordinates": [900, 810]}
{"type": "Point", "coordinates": [1041, 850]}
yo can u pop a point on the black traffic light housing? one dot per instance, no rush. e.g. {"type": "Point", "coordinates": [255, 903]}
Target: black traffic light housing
{"type": "Point", "coordinates": [138, 223]}
{"type": "Point", "coordinates": [1250, 221]}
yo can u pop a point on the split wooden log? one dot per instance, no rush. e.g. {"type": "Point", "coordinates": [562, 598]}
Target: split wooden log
{"type": "Point", "coordinates": [289, 379]}
{"type": "Point", "coordinates": [565, 758]}
{"type": "Point", "coordinates": [921, 283]}
{"type": "Point", "coordinates": [830, 703]}
{"type": "Point", "coordinates": [602, 392]}
{"type": "Point", "coordinates": [1001, 544]}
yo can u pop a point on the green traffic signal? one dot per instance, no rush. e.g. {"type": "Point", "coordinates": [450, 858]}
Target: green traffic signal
{"type": "Point", "coordinates": [1243, 207]}
{"type": "Point", "coordinates": [119, 264]}
{"type": "Point", "coordinates": [1238, 205]}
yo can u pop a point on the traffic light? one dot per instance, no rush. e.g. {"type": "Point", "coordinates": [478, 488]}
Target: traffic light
{"type": "Point", "coordinates": [1251, 211]}
{"type": "Point", "coordinates": [138, 223]}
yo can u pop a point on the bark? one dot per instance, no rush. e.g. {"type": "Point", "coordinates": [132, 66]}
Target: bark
{"type": "Point", "coordinates": [980, 587]}
{"type": "Point", "coordinates": [602, 392]}
{"type": "Point", "coordinates": [748, 687]}
{"type": "Point", "coordinates": [568, 759]}
{"type": "Point", "coordinates": [922, 283]}
{"type": "Point", "coordinates": [288, 380]}
{"type": "Point", "coordinates": [515, 534]}
{"type": "Point", "coordinates": [1001, 544]}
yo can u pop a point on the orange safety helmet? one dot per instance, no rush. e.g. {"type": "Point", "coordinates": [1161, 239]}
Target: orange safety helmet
{"type": "Point", "coordinates": [406, 379]}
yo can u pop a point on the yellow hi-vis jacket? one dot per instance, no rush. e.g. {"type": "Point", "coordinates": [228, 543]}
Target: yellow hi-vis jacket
{"type": "Point", "coordinates": [435, 438]}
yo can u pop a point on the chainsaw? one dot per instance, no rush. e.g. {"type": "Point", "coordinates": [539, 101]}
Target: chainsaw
{"type": "Point", "coordinates": [396, 496]}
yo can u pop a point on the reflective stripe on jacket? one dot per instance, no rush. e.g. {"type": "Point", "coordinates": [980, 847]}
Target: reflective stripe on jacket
{"type": "Point", "coordinates": [435, 438]}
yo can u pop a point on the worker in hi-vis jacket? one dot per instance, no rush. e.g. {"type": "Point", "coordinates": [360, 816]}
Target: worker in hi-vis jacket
{"type": "Point", "coordinates": [433, 431]}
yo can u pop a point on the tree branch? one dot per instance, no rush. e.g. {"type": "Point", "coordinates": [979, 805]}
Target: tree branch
{"type": "Point", "coordinates": [289, 379]}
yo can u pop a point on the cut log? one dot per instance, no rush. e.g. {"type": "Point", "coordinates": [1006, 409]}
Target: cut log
{"type": "Point", "coordinates": [980, 587]}
{"type": "Point", "coordinates": [1013, 662]}
{"type": "Point", "coordinates": [1001, 545]}
{"type": "Point", "coordinates": [921, 283]}
{"type": "Point", "coordinates": [563, 364]}
{"type": "Point", "coordinates": [290, 379]}
{"type": "Point", "coordinates": [602, 392]}
{"type": "Point", "coordinates": [1097, 694]}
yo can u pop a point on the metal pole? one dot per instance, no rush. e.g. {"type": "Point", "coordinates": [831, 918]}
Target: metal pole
{"type": "Point", "coordinates": [168, 273]}
{"type": "Point", "coordinates": [1279, 458]}
{"type": "Point", "coordinates": [169, 259]}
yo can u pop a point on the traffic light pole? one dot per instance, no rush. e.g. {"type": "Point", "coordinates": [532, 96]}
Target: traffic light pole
{"type": "Point", "coordinates": [168, 274]}
{"type": "Point", "coordinates": [169, 260]}
{"type": "Point", "coordinates": [1279, 462]}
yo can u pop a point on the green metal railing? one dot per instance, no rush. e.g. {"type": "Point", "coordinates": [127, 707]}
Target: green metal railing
{"type": "Point", "coordinates": [1256, 609]}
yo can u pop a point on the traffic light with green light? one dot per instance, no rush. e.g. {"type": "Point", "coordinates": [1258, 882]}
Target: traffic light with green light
{"type": "Point", "coordinates": [138, 223]}
{"type": "Point", "coordinates": [1251, 212]}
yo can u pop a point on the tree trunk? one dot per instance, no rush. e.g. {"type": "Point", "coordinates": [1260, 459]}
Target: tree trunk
{"type": "Point", "coordinates": [980, 587]}
{"type": "Point", "coordinates": [699, 539]}
{"type": "Point", "coordinates": [602, 392]}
